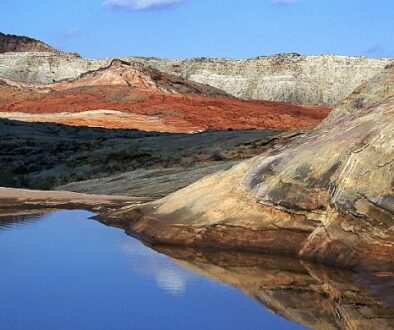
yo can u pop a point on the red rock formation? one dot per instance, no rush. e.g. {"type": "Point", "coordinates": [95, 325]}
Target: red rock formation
{"type": "Point", "coordinates": [136, 75]}
{"type": "Point", "coordinates": [183, 112]}
{"type": "Point", "coordinates": [146, 99]}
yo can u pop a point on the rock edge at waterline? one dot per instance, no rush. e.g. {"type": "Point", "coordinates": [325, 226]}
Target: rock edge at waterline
{"type": "Point", "coordinates": [325, 196]}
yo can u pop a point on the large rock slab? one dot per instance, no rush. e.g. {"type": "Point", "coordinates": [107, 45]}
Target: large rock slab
{"type": "Point", "coordinates": [326, 195]}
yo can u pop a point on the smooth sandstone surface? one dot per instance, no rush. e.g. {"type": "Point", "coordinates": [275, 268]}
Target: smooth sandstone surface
{"type": "Point", "coordinates": [326, 195]}
{"type": "Point", "coordinates": [157, 182]}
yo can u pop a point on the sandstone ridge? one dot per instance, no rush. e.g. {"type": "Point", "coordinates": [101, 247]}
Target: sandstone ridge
{"type": "Point", "coordinates": [326, 195]}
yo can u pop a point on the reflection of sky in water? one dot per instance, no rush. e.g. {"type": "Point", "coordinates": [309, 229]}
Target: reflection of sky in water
{"type": "Point", "coordinates": [67, 272]}
{"type": "Point", "coordinates": [144, 261]}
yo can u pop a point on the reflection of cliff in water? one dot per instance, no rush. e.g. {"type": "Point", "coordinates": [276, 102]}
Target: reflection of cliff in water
{"type": "Point", "coordinates": [315, 296]}
{"type": "Point", "coordinates": [12, 218]}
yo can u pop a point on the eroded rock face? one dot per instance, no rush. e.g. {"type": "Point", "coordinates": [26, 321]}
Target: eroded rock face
{"type": "Point", "coordinates": [136, 75]}
{"type": "Point", "coordinates": [326, 195]}
{"type": "Point", "coordinates": [45, 67]}
{"type": "Point", "coordinates": [13, 43]}
{"type": "Point", "coordinates": [323, 80]}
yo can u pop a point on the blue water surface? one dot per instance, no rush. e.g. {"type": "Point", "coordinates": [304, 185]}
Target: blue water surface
{"type": "Point", "coordinates": [63, 271]}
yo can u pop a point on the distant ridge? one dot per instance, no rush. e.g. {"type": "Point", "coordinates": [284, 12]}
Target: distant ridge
{"type": "Point", "coordinates": [14, 43]}
{"type": "Point", "coordinates": [134, 96]}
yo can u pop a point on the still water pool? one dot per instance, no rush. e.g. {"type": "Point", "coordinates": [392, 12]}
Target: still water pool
{"type": "Point", "coordinates": [59, 270]}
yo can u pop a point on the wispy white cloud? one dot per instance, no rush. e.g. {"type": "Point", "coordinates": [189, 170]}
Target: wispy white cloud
{"type": "Point", "coordinates": [140, 4]}
{"type": "Point", "coordinates": [284, 2]}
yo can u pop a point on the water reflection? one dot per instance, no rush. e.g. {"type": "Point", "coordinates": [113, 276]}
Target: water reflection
{"type": "Point", "coordinates": [167, 274]}
{"type": "Point", "coordinates": [81, 261]}
{"type": "Point", "coordinates": [68, 272]}
{"type": "Point", "coordinates": [316, 296]}
{"type": "Point", "coordinates": [13, 218]}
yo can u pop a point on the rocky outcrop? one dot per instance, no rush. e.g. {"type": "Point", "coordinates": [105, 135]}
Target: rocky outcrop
{"type": "Point", "coordinates": [323, 80]}
{"type": "Point", "coordinates": [326, 195]}
{"type": "Point", "coordinates": [45, 68]}
{"type": "Point", "coordinates": [13, 43]}
{"type": "Point", "coordinates": [136, 75]}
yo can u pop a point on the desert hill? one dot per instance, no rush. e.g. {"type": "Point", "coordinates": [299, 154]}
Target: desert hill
{"type": "Point", "coordinates": [130, 95]}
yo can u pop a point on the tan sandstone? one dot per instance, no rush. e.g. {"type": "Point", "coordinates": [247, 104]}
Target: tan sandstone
{"type": "Point", "coordinates": [326, 195]}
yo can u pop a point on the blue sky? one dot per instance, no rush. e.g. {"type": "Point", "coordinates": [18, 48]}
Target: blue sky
{"type": "Point", "coordinates": [210, 28]}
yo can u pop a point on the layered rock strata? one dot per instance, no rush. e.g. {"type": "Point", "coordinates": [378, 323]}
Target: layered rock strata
{"type": "Point", "coordinates": [45, 67]}
{"type": "Point", "coordinates": [324, 79]}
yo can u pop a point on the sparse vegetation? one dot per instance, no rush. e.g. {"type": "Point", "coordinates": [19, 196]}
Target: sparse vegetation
{"type": "Point", "coordinates": [42, 156]}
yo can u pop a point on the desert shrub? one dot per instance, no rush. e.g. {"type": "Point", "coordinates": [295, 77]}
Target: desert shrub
{"type": "Point", "coordinates": [358, 102]}
{"type": "Point", "coordinates": [217, 156]}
